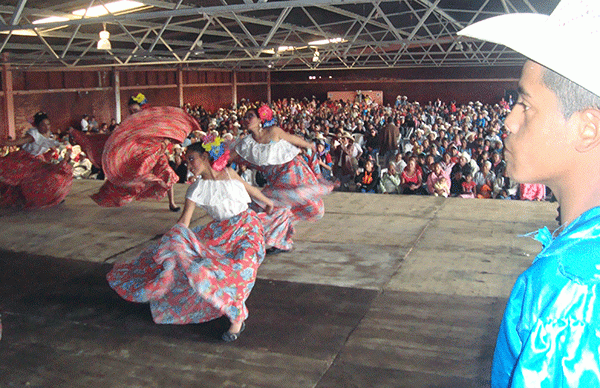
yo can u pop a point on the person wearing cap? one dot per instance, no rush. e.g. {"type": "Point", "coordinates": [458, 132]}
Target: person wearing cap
{"type": "Point", "coordinates": [550, 332]}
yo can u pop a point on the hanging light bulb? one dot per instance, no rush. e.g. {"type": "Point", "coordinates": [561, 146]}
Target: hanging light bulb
{"type": "Point", "coordinates": [316, 56]}
{"type": "Point", "coordinates": [104, 43]}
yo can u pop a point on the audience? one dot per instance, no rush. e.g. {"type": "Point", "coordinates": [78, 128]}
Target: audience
{"type": "Point", "coordinates": [443, 149]}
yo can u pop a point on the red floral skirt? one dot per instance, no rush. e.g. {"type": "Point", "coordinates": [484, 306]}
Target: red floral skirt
{"type": "Point", "coordinates": [196, 275]}
{"type": "Point", "coordinates": [134, 160]}
{"type": "Point", "coordinates": [32, 182]}
{"type": "Point", "coordinates": [296, 185]}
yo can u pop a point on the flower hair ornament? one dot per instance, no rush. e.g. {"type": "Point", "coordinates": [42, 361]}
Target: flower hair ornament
{"type": "Point", "coordinates": [140, 99]}
{"type": "Point", "coordinates": [266, 116]}
{"type": "Point", "coordinates": [217, 151]}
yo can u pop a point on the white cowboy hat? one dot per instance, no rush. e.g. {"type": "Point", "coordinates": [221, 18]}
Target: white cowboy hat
{"type": "Point", "coordinates": [567, 41]}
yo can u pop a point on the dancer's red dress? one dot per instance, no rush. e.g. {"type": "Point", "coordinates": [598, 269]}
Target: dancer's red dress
{"type": "Point", "coordinates": [291, 179]}
{"type": "Point", "coordinates": [92, 145]}
{"type": "Point", "coordinates": [34, 181]}
{"type": "Point", "coordinates": [134, 160]}
{"type": "Point", "coordinates": [196, 275]}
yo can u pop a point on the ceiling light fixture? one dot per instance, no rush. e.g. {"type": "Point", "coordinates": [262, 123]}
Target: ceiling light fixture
{"type": "Point", "coordinates": [104, 43]}
{"type": "Point", "coordinates": [316, 56]}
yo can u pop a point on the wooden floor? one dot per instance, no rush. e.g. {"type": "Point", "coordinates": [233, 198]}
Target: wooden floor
{"type": "Point", "coordinates": [384, 291]}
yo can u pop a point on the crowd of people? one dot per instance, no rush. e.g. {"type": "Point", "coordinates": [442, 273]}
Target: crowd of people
{"type": "Point", "coordinates": [438, 148]}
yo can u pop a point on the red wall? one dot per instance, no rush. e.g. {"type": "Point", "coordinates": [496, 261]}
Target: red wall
{"type": "Point", "coordinates": [66, 95]}
{"type": "Point", "coordinates": [486, 84]}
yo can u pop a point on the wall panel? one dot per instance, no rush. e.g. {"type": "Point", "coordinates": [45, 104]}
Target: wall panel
{"type": "Point", "coordinates": [81, 94]}
{"type": "Point", "coordinates": [209, 97]}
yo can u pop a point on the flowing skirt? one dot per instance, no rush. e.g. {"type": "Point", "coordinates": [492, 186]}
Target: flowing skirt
{"type": "Point", "coordinates": [134, 160]}
{"type": "Point", "coordinates": [33, 182]}
{"type": "Point", "coordinates": [198, 275]}
{"type": "Point", "coordinates": [92, 145]}
{"type": "Point", "coordinates": [296, 185]}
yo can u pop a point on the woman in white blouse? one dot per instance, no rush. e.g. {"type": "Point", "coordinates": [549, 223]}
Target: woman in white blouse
{"type": "Point", "coordinates": [201, 274]}
{"type": "Point", "coordinates": [33, 177]}
{"type": "Point", "coordinates": [292, 176]}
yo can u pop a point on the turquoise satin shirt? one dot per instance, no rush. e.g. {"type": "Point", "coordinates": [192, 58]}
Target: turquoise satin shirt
{"type": "Point", "coordinates": [550, 333]}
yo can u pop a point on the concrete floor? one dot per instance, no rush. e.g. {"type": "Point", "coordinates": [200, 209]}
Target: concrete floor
{"type": "Point", "coordinates": [384, 291]}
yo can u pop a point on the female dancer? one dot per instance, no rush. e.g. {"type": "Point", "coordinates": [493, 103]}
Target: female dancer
{"type": "Point", "coordinates": [291, 180]}
{"type": "Point", "coordinates": [201, 274]}
{"type": "Point", "coordinates": [134, 159]}
{"type": "Point", "coordinates": [31, 178]}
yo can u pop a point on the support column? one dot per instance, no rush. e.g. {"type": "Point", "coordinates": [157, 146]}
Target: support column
{"type": "Point", "coordinates": [8, 101]}
{"type": "Point", "coordinates": [269, 86]}
{"type": "Point", "coordinates": [234, 95]}
{"type": "Point", "coordinates": [117, 88]}
{"type": "Point", "coordinates": [180, 86]}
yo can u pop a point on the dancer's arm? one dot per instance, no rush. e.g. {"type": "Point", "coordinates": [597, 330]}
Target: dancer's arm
{"type": "Point", "coordinates": [186, 215]}
{"type": "Point", "coordinates": [17, 142]}
{"type": "Point", "coordinates": [295, 140]}
{"type": "Point", "coordinates": [254, 192]}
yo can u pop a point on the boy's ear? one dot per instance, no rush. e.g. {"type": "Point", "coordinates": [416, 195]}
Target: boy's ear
{"type": "Point", "coordinates": [588, 130]}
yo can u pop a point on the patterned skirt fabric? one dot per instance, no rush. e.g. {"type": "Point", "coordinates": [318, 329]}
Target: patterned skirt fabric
{"type": "Point", "coordinates": [296, 185]}
{"type": "Point", "coordinates": [33, 182]}
{"type": "Point", "coordinates": [134, 160]}
{"type": "Point", "coordinates": [196, 275]}
{"type": "Point", "coordinates": [278, 228]}
{"type": "Point", "coordinates": [92, 145]}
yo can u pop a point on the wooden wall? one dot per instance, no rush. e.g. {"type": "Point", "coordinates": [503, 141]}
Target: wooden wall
{"type": "Point", "coordinates": [67, 94]}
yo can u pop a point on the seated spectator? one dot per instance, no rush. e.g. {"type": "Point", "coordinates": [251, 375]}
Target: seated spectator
{"type": "Point", "coordinates": [371, 146]}
{"type": "Point", "coordinates": [469, 188]}
{"type": "Point", "coordinates": [247, 174]}
{"type": "Point", "coordinates": [447, 164]}
{"type": "Point", "coordinates": [504, 187]}
{"type": "Point", "coordinates": [497, 163]}
{"type": "Point", "coordinates": [532, 192]}
{"type": "Point", "coordinates": [411, 178]}
{"type": "Point", "coordinates": [93, 125]}
{"type": "Point", "coordinates": [442, 187]}
{"type": "Point", "coordinates": [368, 179]}
{"type": "Point", "coordinates": [324, 160]}
{"type": "Point", "coordinates": [390, 180]}
{"type": "Point", "coordinates": [178, 164]}
{"type": "Point", "coordinates": [345, 164]}
{"type": "Point", "coordinates": [438, 175]}
{"type": "Point", "coordinates": [85, 125]}
{"type": "Point", "coordinates": [113, 125]}
{"type": "Point", "coordinates": [484, 179]}
{"type": "Point", "coordinates": [399, 163]}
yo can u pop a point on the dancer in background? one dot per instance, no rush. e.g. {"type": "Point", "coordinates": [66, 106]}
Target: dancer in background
{"type": "Point", "coordinates": [291, 180]}
{"type": "Point", "coordinates": [134, 159]}
{"type": "Point", "coordinates": [33, 177]}
{"type": "Point", "coordinates": [201, 274]}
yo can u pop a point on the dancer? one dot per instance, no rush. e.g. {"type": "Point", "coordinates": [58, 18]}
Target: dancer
{"type": "Point", "coordinates": [291, 180]}
{"type": "Point", "coordinates": [198, 275]}
{"type": "Point", "coordinates": [32, 178]}
{"type": "Point", "coordinates": [549, 336]}
{"type": "Point", "coordinates": [134, 159]}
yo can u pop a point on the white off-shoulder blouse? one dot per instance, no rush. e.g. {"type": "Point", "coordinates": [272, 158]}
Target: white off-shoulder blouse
{"type": "Point", "coordinates": [222, 199]}
{"type": "Point", "coordinates": [270, 154]}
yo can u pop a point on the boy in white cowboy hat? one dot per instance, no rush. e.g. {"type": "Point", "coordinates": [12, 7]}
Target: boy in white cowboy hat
{"type": "Point", "coordinates": [550, 333]}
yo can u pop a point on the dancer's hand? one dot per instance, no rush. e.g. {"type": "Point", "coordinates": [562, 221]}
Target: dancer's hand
{"type": "Point", "coordinates": [269, 205]}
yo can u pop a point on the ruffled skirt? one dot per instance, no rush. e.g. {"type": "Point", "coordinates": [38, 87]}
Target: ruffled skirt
{"type": "Point", "coordinates": [198, 275]}
{"type": "Point", "coordinates": [32, 182]}
{"type": "Point", "coordinates": [296, 185]}
{"type": "Point", "coordinates": [134, 160]}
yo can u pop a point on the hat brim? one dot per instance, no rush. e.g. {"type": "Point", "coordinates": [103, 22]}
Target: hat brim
{"type": "Point", "coordinates": [537, 38]}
